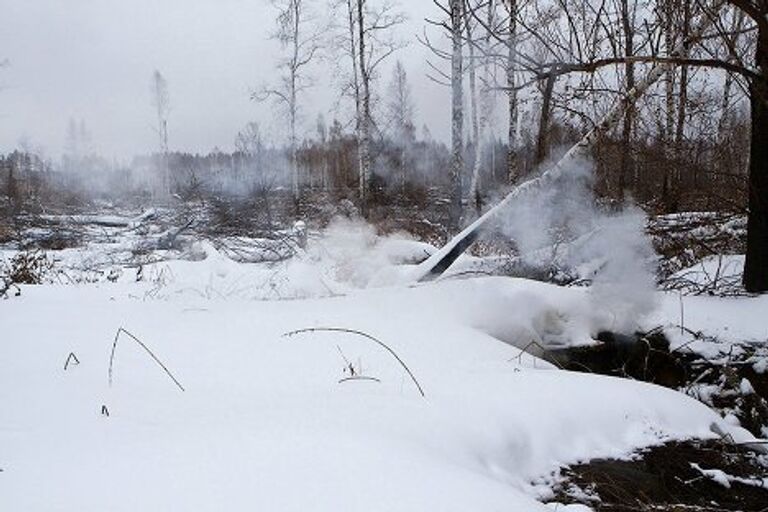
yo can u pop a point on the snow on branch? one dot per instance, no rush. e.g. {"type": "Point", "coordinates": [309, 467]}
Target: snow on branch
{"type": "Point", "coordinates": [439, 262]}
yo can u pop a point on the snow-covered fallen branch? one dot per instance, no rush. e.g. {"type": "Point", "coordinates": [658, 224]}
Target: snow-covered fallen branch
{"type": "Point", "coordinates": [724, 479]}
{"type": "Point", "coordinates": [438, 263]}
{"type": "Point", "coordinates": [107, 221]}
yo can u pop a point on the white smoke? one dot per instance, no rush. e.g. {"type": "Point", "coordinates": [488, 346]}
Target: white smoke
{"type": "Point", "coordinates": [564, 227]}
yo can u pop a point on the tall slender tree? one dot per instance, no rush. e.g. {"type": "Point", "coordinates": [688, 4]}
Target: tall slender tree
{"type": "Point", "coordinates": [376, 41]}
{"type": "Point", "coordinates": [300, 39]}
{"type": "Point", "coordinates": [400, 110]}
{"type": "Point", "coordinates": [161, 101]}
{"type": "Point", "coordinates": [511, 67]}
{"type": "Point", "coordinates": [457, 110]}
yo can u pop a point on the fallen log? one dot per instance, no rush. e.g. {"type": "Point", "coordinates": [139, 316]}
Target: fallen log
{"type": "Point", "coordinates": [439, 262]}
{"type": "Point", "coordinates": [106, 221]}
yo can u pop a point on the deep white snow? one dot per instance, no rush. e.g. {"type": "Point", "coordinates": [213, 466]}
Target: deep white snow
{"type": "Point", "coordinates": [266, 424]}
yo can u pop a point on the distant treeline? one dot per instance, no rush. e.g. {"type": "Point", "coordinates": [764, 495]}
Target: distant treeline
{"type": "Point", "coordinates": [706, 171]}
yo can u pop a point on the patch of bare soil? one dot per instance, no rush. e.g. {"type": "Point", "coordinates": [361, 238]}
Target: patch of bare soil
{"type": "Point", "coordinates": [681, 476]}
{"type": "Point", "coordinates": [674, 477]}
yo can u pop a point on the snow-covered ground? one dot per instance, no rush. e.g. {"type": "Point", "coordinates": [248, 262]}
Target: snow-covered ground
{"type": "Point", "coordinates": [274, 422]}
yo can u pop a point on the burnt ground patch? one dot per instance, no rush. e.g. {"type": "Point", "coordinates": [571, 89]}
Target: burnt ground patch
{"type": "Point", "coordinates": [668, 478]}
{"type": "Point", "coordinates": [677, 476]}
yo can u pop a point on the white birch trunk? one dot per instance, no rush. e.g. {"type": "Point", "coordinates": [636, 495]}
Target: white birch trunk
{"type": "Point", "coordinates": [365, 111]}
{"type": "Point", "coordinates": [457, 111]}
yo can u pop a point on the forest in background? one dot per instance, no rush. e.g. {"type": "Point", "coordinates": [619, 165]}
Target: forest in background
{"type": "Point", "coordinates": [528, 80]}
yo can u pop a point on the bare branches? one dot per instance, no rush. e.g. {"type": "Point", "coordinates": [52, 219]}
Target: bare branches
{"type": "Point", "coordinates": [439, 262]}
{"type": "Point", "coordinates": [301, 40]}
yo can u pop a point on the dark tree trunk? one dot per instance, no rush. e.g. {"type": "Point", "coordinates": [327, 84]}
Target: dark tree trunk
{"type": "Point", "coordinates": [544, 120]}
{"type": "Point", "coordinates": [512, 158]}
{"type": "Point", "coordinates": [625, 160]}
{"type": "Point", "coordinates": [756, 265]}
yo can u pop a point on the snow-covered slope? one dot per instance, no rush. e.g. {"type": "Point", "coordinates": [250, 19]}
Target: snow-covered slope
{"type": "Point", "coordinates": [266, 424]}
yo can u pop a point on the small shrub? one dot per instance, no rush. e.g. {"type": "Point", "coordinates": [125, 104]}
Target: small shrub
{"type": "Point", "coordinates": [29, 267]}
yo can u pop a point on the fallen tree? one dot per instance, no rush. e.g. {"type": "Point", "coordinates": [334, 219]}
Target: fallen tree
{"type": "Point", "coordinates": [105, 221]}
{"type": "Point", "coordinates": [439, 262]}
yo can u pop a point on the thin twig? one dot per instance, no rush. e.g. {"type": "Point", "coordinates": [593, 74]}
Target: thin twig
{"type": "Point", "coordinates": [71, 358]}
{"type": "Point", "coordinates": [364, 335]}
{"type": "Point", "coordinates": [535, 343]}
{"type": "Point", "coordinates": [359, 377]}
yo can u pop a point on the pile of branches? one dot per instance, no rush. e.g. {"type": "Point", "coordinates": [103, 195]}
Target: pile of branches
{"type": "Point", "coordinates": [713, 276]}
{"type": "Point", "coordinates": [275, 247]}
{"type": "Point", "coordinates": [685, 239]}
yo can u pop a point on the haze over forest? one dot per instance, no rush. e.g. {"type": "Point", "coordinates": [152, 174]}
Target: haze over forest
{"type": "Point", "coordinates": [383, 255]}
{"type": "Point", "coordinates": [92, 61]}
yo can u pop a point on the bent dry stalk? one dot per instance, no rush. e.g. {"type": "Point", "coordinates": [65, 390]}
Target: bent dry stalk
{"type": "Point", "coordinates": [366, 336]}
{"type": "Point", "coordinates": [146, 349]}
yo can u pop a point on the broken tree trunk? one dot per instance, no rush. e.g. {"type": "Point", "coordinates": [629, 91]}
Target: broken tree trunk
{"type": "Point", "coordinates": [440, 261]}
{"type": "Point", "coordinates": [104, 221]}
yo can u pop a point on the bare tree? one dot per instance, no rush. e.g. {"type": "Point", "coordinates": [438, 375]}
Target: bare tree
{"type": "Point", "coordinates": [300, 39]}
{"type": "Point", "coordinates": [482, 110]}
{"type": "Point", "coordinates": [400, 110]}
{"type": "Point", "coordinates": [627, 13]}
{"type": "Point", "coordinates": [161, 101]}
{"type": "Point", "coordinates": [321, 129]}
{"type": "Point", "coordinates": [756, 264]}
{"type": "Point", "coordinates": [249, 140]}
{"type": "Point", "coordinates": [457, 110]}
{"type": "Point", "coordinates": [376, 42]}
{"type": "Point", "coordinates": [366, 39]}
{"type": "Point", "coordinates": [346, 43]}
{"type": "Point", "coordinates": [512, 36]}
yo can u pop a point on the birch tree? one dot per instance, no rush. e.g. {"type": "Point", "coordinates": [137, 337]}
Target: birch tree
{"type": "Point", "coordinates": [376, 42]}
{"type": "Point", "coordinates": [366, 39]}
{"type": "Point", "coordinates": [161, 101]}
{"type": "Point", "coordinates": [300, 41]}
{"type": "Point", "coordinates": [457, 110]}
{"type": "Point", "coordinates": [512, 164]}
{"type": "Point", "coordinates": [483, 103]}
{"type": "Point", "coordinates": [400, 109]}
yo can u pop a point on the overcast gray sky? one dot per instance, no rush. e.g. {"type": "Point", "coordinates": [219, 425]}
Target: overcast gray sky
{"type": "Point", "coordinates": [93, 60]}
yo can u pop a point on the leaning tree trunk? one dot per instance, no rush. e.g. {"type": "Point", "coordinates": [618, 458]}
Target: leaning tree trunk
{"type": "Point", "coordinates": [756, 264]}
{"type": "Point", "coordinates": [436, 264]}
